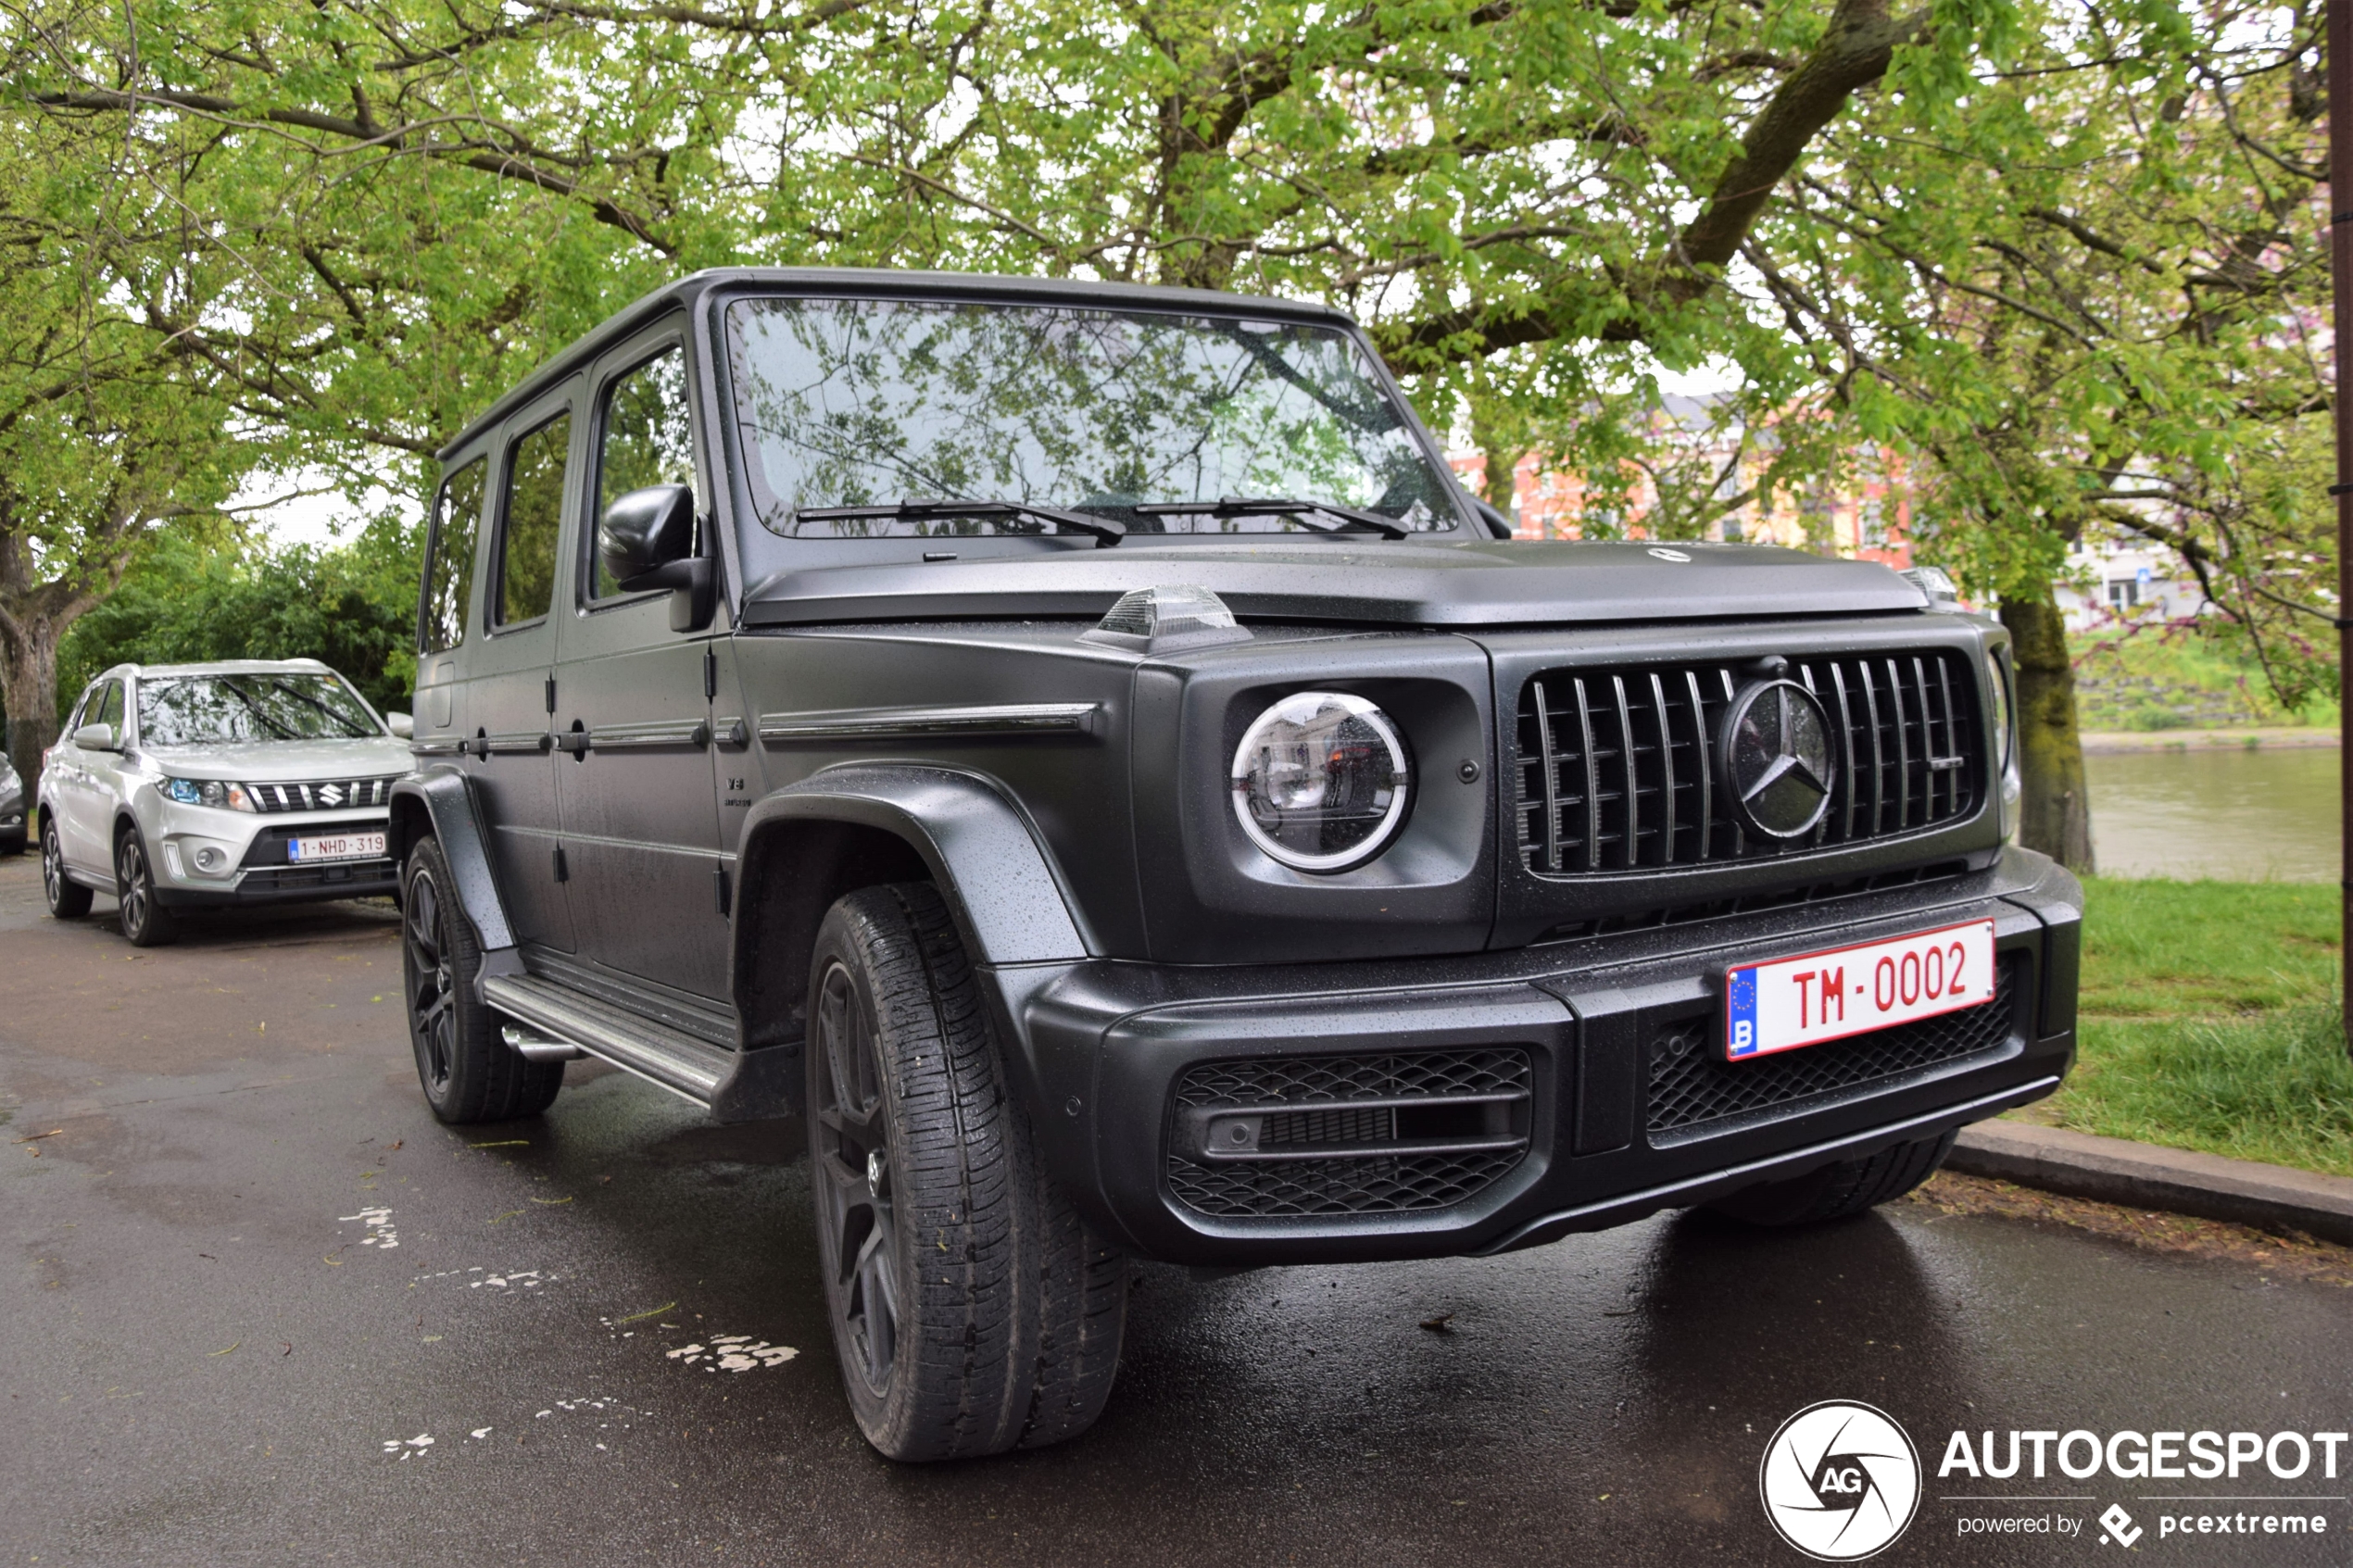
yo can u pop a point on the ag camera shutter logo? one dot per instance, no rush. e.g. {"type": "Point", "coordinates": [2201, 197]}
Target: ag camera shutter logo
{"type": "Point", "coordinates": [1840, 1481]}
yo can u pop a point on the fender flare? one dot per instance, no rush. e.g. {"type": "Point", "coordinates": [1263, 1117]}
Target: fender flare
{"type": "Point", "coordinates": [981, 850]}
{"type": "Point", "coordinates": [440, 800]}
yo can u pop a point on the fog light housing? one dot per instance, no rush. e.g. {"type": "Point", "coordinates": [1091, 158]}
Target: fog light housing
{"type": "Point", "coordinates": [209, 860]}
{"type": "Point", "coordinates": [1322, 782]}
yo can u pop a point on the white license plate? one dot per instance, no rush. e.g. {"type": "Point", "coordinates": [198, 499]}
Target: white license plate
{"type": "Point", "coordinates": [1828, 996]}
{"type": "Point", "coordinates": [336, 846]}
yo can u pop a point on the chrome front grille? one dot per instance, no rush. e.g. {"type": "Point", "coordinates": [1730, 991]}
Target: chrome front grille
{"type": "Point", "coordinates": [322, 795]}
{"type": "Point", "coordinates": [1617, 770]}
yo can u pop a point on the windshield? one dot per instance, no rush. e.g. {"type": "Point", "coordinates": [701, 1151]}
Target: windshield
{"type": "Point", "coordinates": [223, 709]}
{"type": "Point", "coordinates": [865, 402]}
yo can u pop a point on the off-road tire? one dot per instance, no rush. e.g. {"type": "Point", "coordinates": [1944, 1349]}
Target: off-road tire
{"type": "Point", "coordinates": [68, 899]}
{"type": "Point", "coordinates": [468, 1072]}
{"type": "Point", "coordinates": [1836, 1191]}
{"type": "Point", "coordinates": [145, 921]}
{"type": "Point", "coordinates": [1005, 1309]}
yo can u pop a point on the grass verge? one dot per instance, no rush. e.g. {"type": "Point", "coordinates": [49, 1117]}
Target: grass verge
{"type": "Point", "coordinates": [2211, 1022]}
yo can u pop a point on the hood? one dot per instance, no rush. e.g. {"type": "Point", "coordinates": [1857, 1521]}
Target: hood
{"type": "Point", "coordinates": [262, 761]}
{"type": "Point", "coordinates": [1484, 583]}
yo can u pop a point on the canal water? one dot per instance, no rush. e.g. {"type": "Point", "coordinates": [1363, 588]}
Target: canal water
{"type": "Point", "coordinates": [2266, 814]}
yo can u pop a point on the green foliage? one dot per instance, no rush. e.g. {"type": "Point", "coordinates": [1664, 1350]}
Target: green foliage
{"type": "Point", "coordinates": [2211, 1022]}
{"type": "Point", "coordinates": [353, 606]}
{"type": "Point", "coordinates": [2136, 676]}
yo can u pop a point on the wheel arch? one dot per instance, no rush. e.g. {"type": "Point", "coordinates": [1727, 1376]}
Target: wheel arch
{"type": "Point", "coordinates": [855, 826]}
{"type": "Point", "coordinates": [438, 803]}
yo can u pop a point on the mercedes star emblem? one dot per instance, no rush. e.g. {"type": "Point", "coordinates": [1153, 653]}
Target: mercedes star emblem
{"type": "Point", "coordinates": [1775, 753]}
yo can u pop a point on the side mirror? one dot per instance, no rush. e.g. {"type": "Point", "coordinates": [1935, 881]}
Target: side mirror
{"type": "Point", "coordinates": [401, 725]}
{"type": "Point", "coordinates": [97, 737]}
{"type": "Point", "coordinates": [647, 541]}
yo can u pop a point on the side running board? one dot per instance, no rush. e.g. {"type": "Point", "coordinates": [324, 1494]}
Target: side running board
{"type": "Point", "coordinates": [735, 1086]}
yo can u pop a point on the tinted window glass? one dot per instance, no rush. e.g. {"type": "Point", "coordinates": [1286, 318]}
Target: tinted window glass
{"type": "Point", "coordinates": [646, 441]}
{"type": "Point", "coordinates": [109, 708]}
{"type": "Point", "coordinates": [535, 509]}
{"type": "Point", "coordinates": [218, 709]}
{"type": "Point", "coordinates": [857, 403]}
{"type": "Point", "coordinates": [449, 573]}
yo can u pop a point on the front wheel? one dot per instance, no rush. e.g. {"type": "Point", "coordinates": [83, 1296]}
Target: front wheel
{"type": "Point", "coordinates": [468, 1072]}
{"type": "Point", "coordinates": [1838, 1190]}
{"type": "Point", "coordinates": [972, 1309]}
{"type": "Point", "coordinates": [145, 920]}
{"type": "Point", "coordinates": [68, 899]}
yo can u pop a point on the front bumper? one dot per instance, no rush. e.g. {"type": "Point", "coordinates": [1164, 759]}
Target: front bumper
{"type": "Point", "coordinates": [250, 862]}
{"type": "Point", "coordinates": [1615, 1117]}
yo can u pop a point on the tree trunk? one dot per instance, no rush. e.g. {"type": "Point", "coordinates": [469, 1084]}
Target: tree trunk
{"type": "Point", "coordinates": [29, 687]}
{"type": "Point", "coordinates": [2055, 815]}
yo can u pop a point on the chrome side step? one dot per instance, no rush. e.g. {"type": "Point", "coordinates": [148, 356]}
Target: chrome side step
{"type": "Point", "coordinates": [554, 1021]}
{"type": "Point", "coordinates": [692, 1069]}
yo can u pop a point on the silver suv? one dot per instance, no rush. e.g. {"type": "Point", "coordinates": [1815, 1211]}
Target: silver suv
{"type": "Point", "coordinates": [188, 785]}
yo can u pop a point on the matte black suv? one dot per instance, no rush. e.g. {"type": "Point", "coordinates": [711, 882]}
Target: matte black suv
{"type": "Point", "coordinates": [1080, 748]}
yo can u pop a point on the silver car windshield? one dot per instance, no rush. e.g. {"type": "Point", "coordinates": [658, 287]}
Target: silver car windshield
{"type": "Point", "coordinates": [227, 710]}
{"type": "Point", "coordinates": [847, 404]}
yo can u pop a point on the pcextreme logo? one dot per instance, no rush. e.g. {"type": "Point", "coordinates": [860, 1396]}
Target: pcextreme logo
{"type": "Point", "coordinates": [1840, 1481]}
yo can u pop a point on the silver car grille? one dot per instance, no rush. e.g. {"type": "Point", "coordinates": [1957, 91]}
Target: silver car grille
{"type": "Point", "coordinates": [321, 795]}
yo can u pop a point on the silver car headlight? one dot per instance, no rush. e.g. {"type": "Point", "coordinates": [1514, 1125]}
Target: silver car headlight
{"type": "Point", "coordinates": [208, 792]}
{"type": "Point", "coordinates": [1322, 781]}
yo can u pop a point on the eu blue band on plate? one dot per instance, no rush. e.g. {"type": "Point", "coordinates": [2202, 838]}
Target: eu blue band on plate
{"type": "Point", "coordinates": [1741, 1014]}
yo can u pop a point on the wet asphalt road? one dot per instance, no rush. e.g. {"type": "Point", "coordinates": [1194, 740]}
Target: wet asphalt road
{"type": "Point", "coordinates": [250, 1275]}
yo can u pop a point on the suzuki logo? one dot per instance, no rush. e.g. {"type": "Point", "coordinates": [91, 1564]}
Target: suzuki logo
{"type": "Point", "coordinates": [330, 794]}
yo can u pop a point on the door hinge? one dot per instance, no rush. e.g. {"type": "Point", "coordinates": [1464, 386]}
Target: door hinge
{"type": "Point", "coordinates": [563, 872]}
{"type": "Point", "coordinates": [719, 886]}
{"type": "Point", "coordinates": [551, 694]}
{"type": "Point", "coordinates": [709, 672]}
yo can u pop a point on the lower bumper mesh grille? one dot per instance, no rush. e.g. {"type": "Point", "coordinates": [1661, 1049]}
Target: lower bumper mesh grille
{"type": "Point", "coordinates": [1690, 1084]}
{"type": "Point", "coordinates": [1297, 1137]}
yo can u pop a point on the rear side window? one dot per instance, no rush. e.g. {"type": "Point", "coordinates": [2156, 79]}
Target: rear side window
{"type": "Point", "coordinates": [450, 570]}
{"type": "Point", "coordinates": [645, 438]}
{"type": "Point", "coordinates": [534, 512]}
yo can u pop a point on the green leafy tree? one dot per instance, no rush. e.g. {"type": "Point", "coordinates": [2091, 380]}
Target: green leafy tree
{"type": "Point", "coordinates": [186, 600]}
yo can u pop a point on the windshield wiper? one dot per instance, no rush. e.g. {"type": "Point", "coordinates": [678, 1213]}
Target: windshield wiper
{"type": "Point", "coordinates": [1279, 506]}
{"type": "Point", "coordinates": [1107, 531]}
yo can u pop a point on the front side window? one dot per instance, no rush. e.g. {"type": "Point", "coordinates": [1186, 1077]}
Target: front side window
{"type": "Point", "coordinates": [863, 403]}
{"type": "Point", "coordinates": [529, 520]}
{"type": "Point", "coordinates": [645, 438]}
{"type": "Point", "coordinates": [230, 709]}
{"type": "Point", "coordinates": [104, 705]}
{"type": "Point", "coordinates": [449, 568]}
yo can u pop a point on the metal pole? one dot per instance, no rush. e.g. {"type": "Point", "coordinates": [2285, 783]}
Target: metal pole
{"type": "Point", "coordinates": [2340, 45]}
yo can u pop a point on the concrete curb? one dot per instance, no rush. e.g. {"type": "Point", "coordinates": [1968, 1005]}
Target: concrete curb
{"type": "Point", "coordinates": [2141, 1175]}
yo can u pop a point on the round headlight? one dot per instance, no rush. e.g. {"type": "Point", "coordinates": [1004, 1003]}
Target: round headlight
{"type": "Point", "coordinates": [1998, 680]}
{"type": "Point", "coordinates": [1321, 781]}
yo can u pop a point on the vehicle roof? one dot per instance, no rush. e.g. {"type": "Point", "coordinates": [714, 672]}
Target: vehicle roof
{"type": "Point", "coordinates": [881, 283]}
{"type": "Point", "coordinates": [226, 667]}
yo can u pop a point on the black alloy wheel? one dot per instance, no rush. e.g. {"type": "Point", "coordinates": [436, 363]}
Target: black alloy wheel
{"type": "Point", "coordinates": [145, 920]}
{"type": "Point", "coordinates": [68, 899]}
{"type": "Point", "coordinates": [468, 1072]}
{"type": "Point", "coordinates": [973, 1311]}
{"type": "Point", "coordinates": [852, 1175]}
